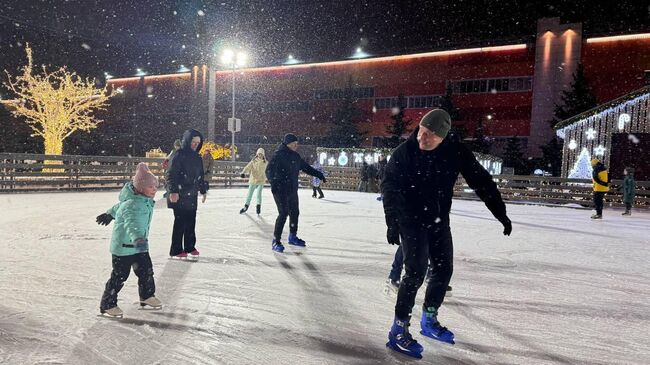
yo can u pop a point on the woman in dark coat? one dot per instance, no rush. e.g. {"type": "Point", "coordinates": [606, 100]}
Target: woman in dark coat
{"type": "Point", "coordinates": [185, 180]}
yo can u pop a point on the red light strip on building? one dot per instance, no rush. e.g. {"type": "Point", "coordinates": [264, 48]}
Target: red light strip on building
{"type": "Point", "coordinates": [346, 62]}
{"type": "Point", "coordinates": [619, 38]}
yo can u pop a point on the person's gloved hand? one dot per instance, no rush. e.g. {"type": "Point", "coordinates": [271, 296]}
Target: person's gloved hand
{"type": "Point", "coordinates": [507, 225]}
{"type": "Point", "coordinates": [104, 219]}
{"type": "Point", "coordinates": [242, 176]}
{"type": "Point", "coordinates": [392, 234]}
{"type": "Point", "coordinates": [323, 179]}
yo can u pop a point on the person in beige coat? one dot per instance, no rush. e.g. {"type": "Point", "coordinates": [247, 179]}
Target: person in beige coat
{"type": "Point", "coordinates": [256, 169]}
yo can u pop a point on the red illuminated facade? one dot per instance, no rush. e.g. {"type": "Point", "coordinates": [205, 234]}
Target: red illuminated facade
{"type": "Point", "coordinates": [509, 90]}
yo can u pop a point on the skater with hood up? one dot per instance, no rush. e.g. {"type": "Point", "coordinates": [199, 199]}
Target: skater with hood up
{"type": "Point", "coordinates": [282, 172]}
{"type": "Point", "coordinates": [629, 190]}
{"type": "Point", "coordinates": [256, 168]}
{"type": "Point", "coordinates": [130, 243]}
{"type": "Point", "coordinates": [316, 182]}
{"type": "Point", "coordinates": [184, 183]}
{"type": "Point", "coordinates": [600, 178]}
{"type": "Point", "coordinates": [418, 188]}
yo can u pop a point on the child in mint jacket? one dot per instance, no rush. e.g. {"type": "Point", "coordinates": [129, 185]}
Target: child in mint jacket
{"type": "Point", "coordinates": [129, 241]}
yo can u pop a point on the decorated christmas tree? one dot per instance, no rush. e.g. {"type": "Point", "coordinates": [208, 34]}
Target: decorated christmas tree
{"type": "Point", "coordinates": [582, 168]}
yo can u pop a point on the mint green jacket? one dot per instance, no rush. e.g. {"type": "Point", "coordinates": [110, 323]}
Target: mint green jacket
{"type": "Point", "coordinates": [132, 220]}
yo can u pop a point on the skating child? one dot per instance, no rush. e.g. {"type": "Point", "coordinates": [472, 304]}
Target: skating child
{"type": "Point", "coordinates": [129, 242]}
{"type": "Point", "coordinates": [629, 190]}
{"type": "Point", "coordinates": [256, 168]}
{"type": "Point", "coordinates": [315, 181]}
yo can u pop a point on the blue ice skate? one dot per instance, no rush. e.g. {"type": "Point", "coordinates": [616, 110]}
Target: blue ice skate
{"type": "Point", "coordinates": [277, 246]}
{"type": "Point", "coordinates": [431, 328]}
{"type": "Point", "coordinates": [293, 240]}
{"type": "Point", "coordinates": [400, 340]}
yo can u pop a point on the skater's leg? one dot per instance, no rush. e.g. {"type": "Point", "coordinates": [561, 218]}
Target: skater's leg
{"type": "Point", "coordinates": [121, 271]}
{"type": "Point", "coordinates": [259, 189]}
{"type": "Point", "coordinates": [313, 188]}
{"type": "Point", "coordinates": [320, 192]}
{"type": "Point", "coordinates": [143, 269]}
{"type": "Point", "coordinates": [282, 203]}
{"type": "Point", "coordinates": [177, 233]}
{"type": "Point", "coordinates": [294, 212]}
{"type": "Point", "coordinates": [441, 256]}
{"type": "Point", "coordinates": [249, 195]}
{"type": "Point", "coordinates": [598, 202]}
{"type": "Point", "coordinates": [189, 230]}
{"type": "Point", "coordinates": [398, 263]}
{"type": "Point", "coordinates": [415, 252]}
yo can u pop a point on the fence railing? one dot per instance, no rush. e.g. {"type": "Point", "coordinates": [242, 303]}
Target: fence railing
{"type": "Point", "coordinates": [22, 172]}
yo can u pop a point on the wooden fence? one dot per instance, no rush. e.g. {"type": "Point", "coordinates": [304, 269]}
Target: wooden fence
{"type": "Point", "coordinates": [20, 172]}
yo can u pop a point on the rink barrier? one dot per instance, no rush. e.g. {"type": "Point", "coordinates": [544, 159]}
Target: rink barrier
{"type": "Point", "coordinates": [23, 172]}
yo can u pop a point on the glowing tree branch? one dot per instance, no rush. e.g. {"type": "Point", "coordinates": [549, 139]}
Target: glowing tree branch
{"type": "Point", "coordinates": [56, 104]}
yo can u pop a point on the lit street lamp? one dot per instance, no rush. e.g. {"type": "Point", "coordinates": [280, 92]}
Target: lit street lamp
{"type": "Point", "coordinates": [233, 60]}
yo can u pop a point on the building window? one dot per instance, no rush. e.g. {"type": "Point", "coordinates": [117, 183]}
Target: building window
{"type": "Point", "coordinates": [510, 84]}
{"type": "Point", "coordinates": [357, 93]}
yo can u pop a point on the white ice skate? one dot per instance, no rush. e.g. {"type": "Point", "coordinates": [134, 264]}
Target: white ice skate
{"type": "Point", "coordinates": [151, 303]}
{"type": "Point", "coordinates": [114, 312]}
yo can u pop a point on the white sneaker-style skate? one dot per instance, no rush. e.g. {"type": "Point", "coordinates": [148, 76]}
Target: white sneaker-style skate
{"type": "Point", "coordinates": [151, 303]}
{"type": "Point", "coordinates": [114, 312]}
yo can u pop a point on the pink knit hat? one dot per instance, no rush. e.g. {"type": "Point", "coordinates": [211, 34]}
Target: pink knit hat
{"type": "Point", "coordinates": [143, 177]}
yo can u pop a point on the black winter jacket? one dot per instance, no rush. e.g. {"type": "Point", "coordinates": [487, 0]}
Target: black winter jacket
{"type": "Point", "coordinates": [284, 167]}
{"type": "Point", "coordinates": [418, 185]}
{"type": "Point", "coordinates": [185, 173]}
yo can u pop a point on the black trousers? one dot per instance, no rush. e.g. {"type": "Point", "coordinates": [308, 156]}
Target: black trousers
{"type": "Point", "coordinates": [287, 204]}
{"type": "Point", "coordinates": [183, 235]}
{"type": "Point", "coordinates": [317, 189]}
{"type": "Point", "coordinates": [421, 245]}
{"type": "Point", "coordinates": [598, 202]}
{"type": "Point", "coordinates": [143, 269]}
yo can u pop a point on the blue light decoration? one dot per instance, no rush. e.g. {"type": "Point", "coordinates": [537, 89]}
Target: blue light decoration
{"type": "Point", "coordinates": [343, 159]}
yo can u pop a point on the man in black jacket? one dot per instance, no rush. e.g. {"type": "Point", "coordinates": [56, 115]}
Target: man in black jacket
{"type": "Point", "coordinates": [184, 183]}
{"type": "Point", "coordinates": [418, 189]}
{"type": "Point", "coordinates": [282, 173]}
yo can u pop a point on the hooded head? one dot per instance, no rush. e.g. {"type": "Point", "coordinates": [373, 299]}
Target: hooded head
{"type": "Point", "coordinates": [260, 151]}
{"type": "Point", "coordinates": [188, 136]}
{"type": "Point", "coordinates": [629, 171]}
{"type": "Point", "coordinates": [594, 162]}
{"type": "Point", "coordinates": [145, 182]}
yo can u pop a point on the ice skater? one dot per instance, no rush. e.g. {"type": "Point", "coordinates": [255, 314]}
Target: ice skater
{"type": "Point", "coordinates": [257, 170]}
{"type": "Point", "coordinates": [600, 178]}
{"type": "Point", "coordinates": [185, 181]}
{"type": "Point", "coordinates": [130, 243]}
{"type": "Point", "coordinates": [629, 190]}
{"type": "Point", "coordinates": [282, 172]}
{"type": "Point", "coordinates": [316, 182]}
{"type": "Point", "coordinates": [418, 188]}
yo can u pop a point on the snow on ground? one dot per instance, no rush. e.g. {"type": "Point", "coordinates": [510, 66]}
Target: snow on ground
{"type": "Point", "coordinates": [561, 290]}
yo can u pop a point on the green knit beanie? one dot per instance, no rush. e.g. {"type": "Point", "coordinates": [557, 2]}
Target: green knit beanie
{"type": "Point", "coordinates": [437, 121]}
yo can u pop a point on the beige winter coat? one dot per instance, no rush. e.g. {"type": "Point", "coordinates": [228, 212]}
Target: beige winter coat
{"type": "Point", "coordinates": [257, 170]}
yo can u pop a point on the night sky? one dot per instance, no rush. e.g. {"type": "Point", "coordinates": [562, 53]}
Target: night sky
{"type": "Point", "coordinates": [118, 36]}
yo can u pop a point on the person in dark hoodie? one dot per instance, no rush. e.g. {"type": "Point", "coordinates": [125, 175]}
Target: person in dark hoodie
{"type": "Point", "coordinates": [282, 173]}
{"type": "Point", "coordinates": [418, 189]}
{"type": "Point", "coordinates": [185, 181]}
{"type": "Point", "coordinates": [629, 190]}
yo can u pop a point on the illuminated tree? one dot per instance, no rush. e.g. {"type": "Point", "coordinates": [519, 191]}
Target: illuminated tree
{"type": "Point", "coordinates": [56, 104]}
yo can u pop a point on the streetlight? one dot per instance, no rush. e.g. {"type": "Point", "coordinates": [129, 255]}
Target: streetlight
{"type": "Point", "coordinates": [233, 60]}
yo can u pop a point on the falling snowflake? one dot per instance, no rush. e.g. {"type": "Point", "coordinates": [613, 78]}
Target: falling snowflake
{"type": "Point", "coordinates": [85, 46]}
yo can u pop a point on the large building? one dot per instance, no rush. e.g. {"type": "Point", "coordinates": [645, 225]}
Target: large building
{"type": "Point", "coordinates": [508, 90]}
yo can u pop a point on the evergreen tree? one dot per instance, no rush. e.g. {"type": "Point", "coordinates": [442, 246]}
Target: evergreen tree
{"type": "Point", "coordinates": [399, 125]}
{"type": "Point", "coordinates": [447, 104]}
{"type": "Point", "coordinates": [345, 130]}
{"type": "Point", "coordinates": [480, 143]}
{"type": "Point", "coordinates": [513, 156]}
{"type": "Point", "coordinates": [577, 99]}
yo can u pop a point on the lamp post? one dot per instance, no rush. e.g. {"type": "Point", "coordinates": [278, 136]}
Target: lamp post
{"type": "Point", "coordinates": [231, 59]}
